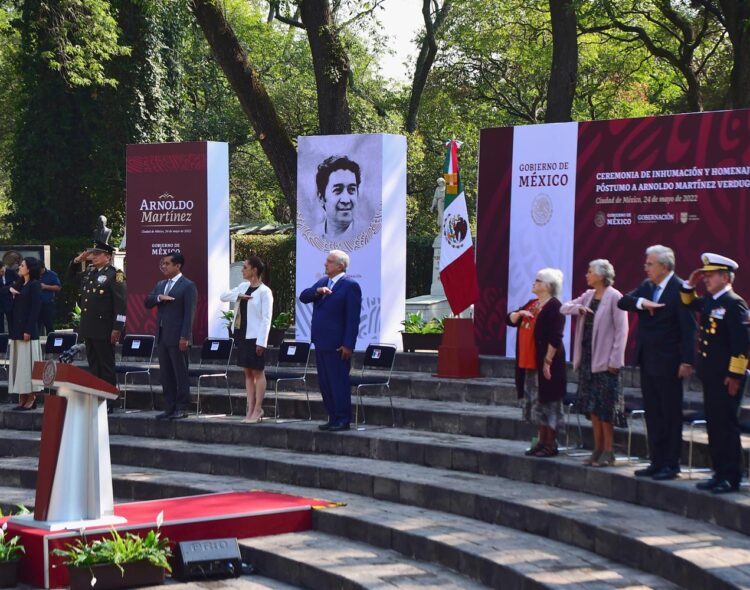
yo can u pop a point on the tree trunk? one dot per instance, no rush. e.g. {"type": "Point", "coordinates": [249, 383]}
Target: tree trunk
{"type": "Point", "coordinates": [331, 65]}
{"type": "Point", "coordinates": [561, 89]}
{"type": "Point", "coordinates": [426, 58]}
{"type": "Point", "coordinates": [252, 95]}
{"type": "Point", "coordinates": [737, 22]}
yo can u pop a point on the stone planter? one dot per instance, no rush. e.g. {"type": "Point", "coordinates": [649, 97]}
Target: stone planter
{"type": "Point", "coordinates": [9, 573]}
{"type": "Point", "coordinates": [275, 336]}
{"type": "Point", "coordinates": [108, 575]}
{"type": "Point", "coordinates": [416, 341]}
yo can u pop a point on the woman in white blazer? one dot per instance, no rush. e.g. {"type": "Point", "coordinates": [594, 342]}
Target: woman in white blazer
{"type": "Point", "coordinates": [252, 322]}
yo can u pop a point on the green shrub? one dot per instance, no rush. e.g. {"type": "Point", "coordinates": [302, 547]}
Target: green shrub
{"type": "Point", "coordinates": [119, 549]}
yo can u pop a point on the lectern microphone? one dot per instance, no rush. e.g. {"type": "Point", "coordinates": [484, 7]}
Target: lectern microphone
{"type": "Point", "coordinates": [69, 355]}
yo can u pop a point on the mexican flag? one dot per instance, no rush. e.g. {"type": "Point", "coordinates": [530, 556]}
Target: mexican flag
{"type": "Point", "coordinates": [458, 272]}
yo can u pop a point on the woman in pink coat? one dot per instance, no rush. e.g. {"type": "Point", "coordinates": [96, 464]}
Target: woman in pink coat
{"type": "Point", "coordinates": [598, 356]}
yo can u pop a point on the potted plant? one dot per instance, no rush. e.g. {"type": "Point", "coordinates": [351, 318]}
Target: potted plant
{"type": "Point", "coordinates": [227, 317]}
{"type": "Point", "coordinates": [118, 561]}
{"type": "Point", "coordinates": [75, 317]}
{"type": "Point", "coordinates": [420, 335]}
{"type": "Point", "coordinates": [279, 326]}
{"type": "Point", "coordinates": [10, 556]}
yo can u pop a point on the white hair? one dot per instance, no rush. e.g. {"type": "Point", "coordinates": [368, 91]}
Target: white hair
{"type": "Point", "coordinates": [553, 277]}
{"type": "Point", "coordinates": [603, 268]}
{"type": "Point", "coordinates": [663, 255]}
{"type": "Point", "coordinates": [341, 257]}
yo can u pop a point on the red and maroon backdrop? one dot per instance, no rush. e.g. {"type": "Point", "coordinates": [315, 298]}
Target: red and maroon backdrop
{"type": "Point", "coordinates": [178, 199]}
{"type": "Point", "coordinates": [682, 181]}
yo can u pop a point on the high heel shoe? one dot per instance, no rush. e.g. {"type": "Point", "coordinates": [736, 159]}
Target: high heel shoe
{"type": "Point", "coordinates": [255, 420]}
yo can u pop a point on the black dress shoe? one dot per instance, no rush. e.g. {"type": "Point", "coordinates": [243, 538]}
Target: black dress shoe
{"type": "Point", "coordinates": [163, 416]}
{"type": "Point", "coordinates": [724, 487]}
{"type": "Point", "coordinates": [709, 484]}
{"type": "Point", "coordinates": [666, 473]}
{"type": "Point", "coordinates": [178, 415]}
{"type": "Point", "coordinates": [647, 471]}
{"type": "Point", "coordinates": [325, 426]}
{"type": "Point", "coordinates": [21, 409]}
{"type": "Point", "coordinates": [338, 427]}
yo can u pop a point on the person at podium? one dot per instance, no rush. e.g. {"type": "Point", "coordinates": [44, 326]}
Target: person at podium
{"type": "Point", "coordinates": [24, 332]}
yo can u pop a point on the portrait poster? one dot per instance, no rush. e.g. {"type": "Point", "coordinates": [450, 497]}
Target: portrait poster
{"type": "Point", "coordinates": [351, 192]}
{"type": "Point", "coordinates": [561, 195]}
{"type": "Point", "coordinates": [178, 200]}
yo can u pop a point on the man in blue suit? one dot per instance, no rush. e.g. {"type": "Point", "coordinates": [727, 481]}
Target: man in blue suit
{"type": "Point", "coordinates": [175, 299]}
{"type": "Point", "coordinates": [337, 302]}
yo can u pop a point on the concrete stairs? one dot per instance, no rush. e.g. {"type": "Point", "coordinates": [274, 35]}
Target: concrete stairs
{"type": "Point", "coordinates": [445, 500]}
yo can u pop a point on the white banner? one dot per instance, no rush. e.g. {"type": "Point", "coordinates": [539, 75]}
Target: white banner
{"type": "Point", "coordinates": [542, 211]}
{"type": "Point", "coordinates": [351, 196]}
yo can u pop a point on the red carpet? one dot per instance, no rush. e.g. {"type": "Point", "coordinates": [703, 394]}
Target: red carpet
{"type": "Point", "coordinates": [231, 514]}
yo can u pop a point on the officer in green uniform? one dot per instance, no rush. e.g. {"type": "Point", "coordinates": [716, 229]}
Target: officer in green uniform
{"type": "Point", "coordinates": [103, 301]}
{"type": "Point", "coordinates": [722, 362]}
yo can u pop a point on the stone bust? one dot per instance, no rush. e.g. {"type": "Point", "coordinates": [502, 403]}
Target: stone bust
{"type": "Point", "coordinates": [101, 232]}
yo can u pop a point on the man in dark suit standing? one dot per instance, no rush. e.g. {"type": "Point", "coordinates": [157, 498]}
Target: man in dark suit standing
{"type": "Point", "coordinates": [665, 352]}
{"type": "Point", "coordinates": [722, 362]}
{"type": "Point", "coordinates": [175, 299]}
{"type": "Point", "coordinates": [337, 302]}
{"type": "Point", "coordinates": [7, 277]}
{"type": "Point", "coordinates": [103, 303]}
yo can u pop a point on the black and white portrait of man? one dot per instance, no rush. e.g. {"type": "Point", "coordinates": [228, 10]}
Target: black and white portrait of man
{"type": "Point", "coordinates": [337, 183]}
{"type": "Point", "coordinates": [339, 207]}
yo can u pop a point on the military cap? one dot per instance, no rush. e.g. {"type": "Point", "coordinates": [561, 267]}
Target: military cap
{"type": "Point", "coordinates": [713, 261]}
{"type": "Point", "coordinates": [102, 247]}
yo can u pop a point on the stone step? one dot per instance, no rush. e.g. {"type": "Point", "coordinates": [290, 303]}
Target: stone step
{"type": "Point", "coordinates": [311, 559]}
{"type": "Point", "coordinates": [453, 451]}
{"type": "Point", "coordinates": [490, 554]}
{"type": "Point", "coordinates": [687, 552]}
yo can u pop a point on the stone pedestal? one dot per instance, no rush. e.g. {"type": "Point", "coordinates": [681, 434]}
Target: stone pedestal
{"type": "Point", "coordinates": [434, 305]}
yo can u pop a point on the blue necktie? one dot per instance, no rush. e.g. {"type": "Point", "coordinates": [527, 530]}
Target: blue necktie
{"type": "Point", "coordinates": [655, 296]}
{"type": "Point", "coordinates": [330, 284]}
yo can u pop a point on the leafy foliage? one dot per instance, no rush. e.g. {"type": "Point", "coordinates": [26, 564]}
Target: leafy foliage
{"type": "Point", "coordinates": [10, 548]}
{"type": "Point", "coordinates": [415, 324]}
{"type": "Point", "coordinates": [282, 321]}
{"type": "Point", "coordinates": [118, 549]}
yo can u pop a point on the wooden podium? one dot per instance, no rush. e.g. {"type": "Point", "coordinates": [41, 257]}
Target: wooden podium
{"type": "Point", "coordinates": [458, 357]}
{"type": "Point", "coordinates": [74, 477]}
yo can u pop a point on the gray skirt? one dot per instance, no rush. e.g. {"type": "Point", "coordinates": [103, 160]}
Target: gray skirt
{"type": "Point", "coordinates": [22, 357]}
{"type": "Point", "coordinates": [534, 411]}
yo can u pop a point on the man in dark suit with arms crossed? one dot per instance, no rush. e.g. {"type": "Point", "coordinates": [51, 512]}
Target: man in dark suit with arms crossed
{"type": "Point", "coordinates": [722, 362]}
{"type": "Point", "coordinates": [337, 302]}
{"type": "Point", "coordinates": [175, 299]}
{"type": "Point", "coordinates": [665, 352]}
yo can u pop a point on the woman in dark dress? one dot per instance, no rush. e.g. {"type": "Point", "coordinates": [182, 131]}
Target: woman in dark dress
{"type": "Point", "coordinates": [252, 323]}
{"type": "Point", "coordinates": [24, 333]}
{"type": "Point", "coordinates": [598, 356]}
{"type": "Point", "coordinates": [540, 359]}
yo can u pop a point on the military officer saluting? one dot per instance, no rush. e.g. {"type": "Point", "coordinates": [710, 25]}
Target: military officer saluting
{"type": "Point", "coordinates": [722, 361]}
{"type": "Point", "coordinates": [103, 302]}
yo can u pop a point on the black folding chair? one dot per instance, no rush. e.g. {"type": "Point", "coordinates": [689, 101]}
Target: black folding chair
{"type": "Point", "coordinates": [377, 367]}
{"type": "Point", "coordinates": [215, 355]}
{"type": "Point", "coordinates": [59, 342]}
{"type": "Point", "coordinates": [136, 348]}
{"type": "Point", "coordinates": [291, 366]}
